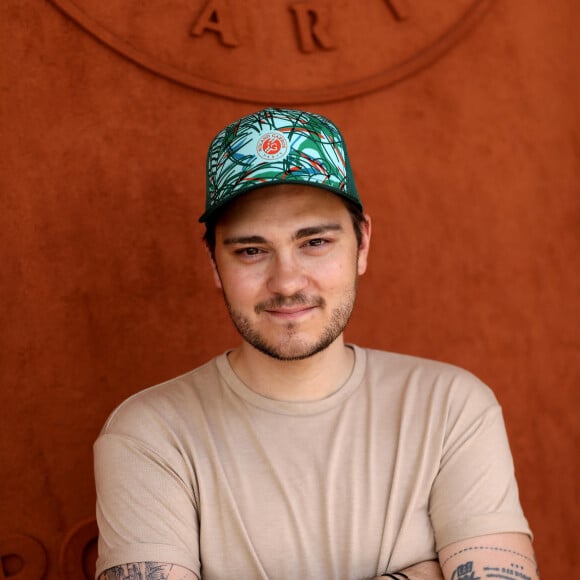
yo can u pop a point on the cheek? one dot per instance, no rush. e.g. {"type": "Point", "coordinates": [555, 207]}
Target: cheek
{"type": "Point", "coordinates": [335, 277]}
{"type": "Point", "coordinates": [239, 284]}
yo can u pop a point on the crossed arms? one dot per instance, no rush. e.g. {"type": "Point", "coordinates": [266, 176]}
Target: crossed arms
{"type": "Point", "coordinates": [491, 557]}
{"type": "Point", "coordinates": [148, 571]}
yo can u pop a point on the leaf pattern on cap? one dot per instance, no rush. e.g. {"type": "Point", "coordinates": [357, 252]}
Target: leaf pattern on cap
{"type": "Point", "coordinates": [316, 155]}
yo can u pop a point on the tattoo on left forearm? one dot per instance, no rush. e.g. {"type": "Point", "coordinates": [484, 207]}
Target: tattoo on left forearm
{"type": "Point", "coordinates": [514, 571]}
{"type": "Point", "coordinates": [492, 549]}
{"type": "Point", "coordinates": [468, 571]}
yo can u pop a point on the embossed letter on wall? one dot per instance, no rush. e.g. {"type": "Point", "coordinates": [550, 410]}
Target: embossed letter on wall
{"type": "Point", "coordinates": [22, 558]}
{"type": "Point", "coordinates": [286, 51]}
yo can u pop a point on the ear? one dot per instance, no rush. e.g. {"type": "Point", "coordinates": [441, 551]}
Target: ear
{"type": "Point", "coordinates": [363, 251]}
{"type": "Point", "coordinates": [216, 275]}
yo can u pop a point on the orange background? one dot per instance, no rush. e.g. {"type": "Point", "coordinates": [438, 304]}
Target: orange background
{"type": "Point", "coordinates": [470, 170]}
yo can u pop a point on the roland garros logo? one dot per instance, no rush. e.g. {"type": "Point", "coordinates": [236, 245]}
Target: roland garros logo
{"type": "Point", "coordinates": [272, 145]}
{"type": "Point", "coordinates": [325, 50]}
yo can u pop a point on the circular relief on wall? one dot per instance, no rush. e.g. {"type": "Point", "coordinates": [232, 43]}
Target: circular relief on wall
{"type": "Point", "coordinates": [280, 52]}
{"type": "Point", "coordinates": [78, 554]}
{"type": "Point", "coordinates": [22, 556]}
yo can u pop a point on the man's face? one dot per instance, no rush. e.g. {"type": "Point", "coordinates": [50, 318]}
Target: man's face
{"type": "Point", "coordinates": [286, 258]}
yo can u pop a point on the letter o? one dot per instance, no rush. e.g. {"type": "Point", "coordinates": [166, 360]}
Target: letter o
{"type": "Point", "coordinates": [78, 554]}
{"type": "Point", "coordinates": [22, 558]}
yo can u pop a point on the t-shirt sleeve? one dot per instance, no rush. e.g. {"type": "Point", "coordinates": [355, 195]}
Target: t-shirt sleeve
{"type": "Point", "coordinates": [146, 507]}
{"type": "Point", "coordinates": [475, 491]}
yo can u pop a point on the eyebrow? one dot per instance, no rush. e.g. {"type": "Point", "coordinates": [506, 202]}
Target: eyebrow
{"type": "Point", "coordinates": [245, 240]}
{"type": "Point", "coordinates": [316, 230]}
{"type": "Point", "coordinates": [299, 234]}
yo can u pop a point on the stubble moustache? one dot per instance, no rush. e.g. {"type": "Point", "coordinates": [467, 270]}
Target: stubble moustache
{"type": "Point", "coordinates": [289, 346]}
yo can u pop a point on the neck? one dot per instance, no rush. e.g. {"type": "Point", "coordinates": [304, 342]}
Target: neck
{"type": "Point", "coordinates": [309, 379]}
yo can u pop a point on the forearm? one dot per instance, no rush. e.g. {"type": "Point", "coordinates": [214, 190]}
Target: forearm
{"type": "Point", "coordinates": [148, 571]}
{"type": "Point", "coordinates": [503, 556]}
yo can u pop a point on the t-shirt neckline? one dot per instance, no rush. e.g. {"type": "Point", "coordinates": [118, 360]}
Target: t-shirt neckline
{"type": "Point", "coordinates": [294, 407]}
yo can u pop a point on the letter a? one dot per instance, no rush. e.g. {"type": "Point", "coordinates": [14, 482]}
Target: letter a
{"type": "Point", "coordinates": [216, 17]}
{"type": "Point", "coordinates": [311, 32]}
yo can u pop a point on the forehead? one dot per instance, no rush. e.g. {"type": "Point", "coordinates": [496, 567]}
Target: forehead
{"type": "Point", "coordinates": [283, 206]}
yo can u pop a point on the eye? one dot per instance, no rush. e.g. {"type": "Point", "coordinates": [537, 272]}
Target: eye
{"type": "Point", "coordinates": [248, 251]}
{"type": "Point", "coordinates": [317, 243]}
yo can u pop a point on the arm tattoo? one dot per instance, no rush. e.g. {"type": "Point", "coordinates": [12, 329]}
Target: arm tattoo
{"type": "Point", "coordinates": [146, 571]}
{"type": "Point", "coordinates": [491, 548]}
{"type": "Point", "coordinates": [468, 571]}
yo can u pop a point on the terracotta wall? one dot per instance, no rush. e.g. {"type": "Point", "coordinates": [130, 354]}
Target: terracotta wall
{"type": "Point", "coordinates": [469, 165]}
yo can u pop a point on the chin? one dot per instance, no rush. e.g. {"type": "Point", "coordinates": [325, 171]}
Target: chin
{"type": "Point", "coordinates": [293, 349]}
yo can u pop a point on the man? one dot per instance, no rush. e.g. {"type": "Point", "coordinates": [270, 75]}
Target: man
{"type": "Point", "coordinates": [296, 455]}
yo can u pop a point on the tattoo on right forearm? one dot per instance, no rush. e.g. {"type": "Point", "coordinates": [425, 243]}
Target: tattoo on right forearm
{"type": "Point", "coordinates": [143, 571]}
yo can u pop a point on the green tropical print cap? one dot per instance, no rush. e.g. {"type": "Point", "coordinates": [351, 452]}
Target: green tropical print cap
{"type": "Point", "coordinates": [276, 146]}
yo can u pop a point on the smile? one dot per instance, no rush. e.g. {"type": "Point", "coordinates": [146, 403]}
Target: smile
{"type": "Point", "coordinates": [290, 313]}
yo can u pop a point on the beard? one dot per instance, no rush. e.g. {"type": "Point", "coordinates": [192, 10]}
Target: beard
{"type": "Point", "coordinates": [288, 345]}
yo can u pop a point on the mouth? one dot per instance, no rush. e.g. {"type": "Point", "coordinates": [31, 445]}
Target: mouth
{"type": "Point", "coordinates": [290, 313]}
{"type": "Point", "coordinates": [290, 308]}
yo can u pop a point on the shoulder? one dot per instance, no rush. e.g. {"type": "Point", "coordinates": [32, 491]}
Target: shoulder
{"type": "Point", "coordinates": [426, 378]}
{"type": "Point", "coordinates": [167, 403]}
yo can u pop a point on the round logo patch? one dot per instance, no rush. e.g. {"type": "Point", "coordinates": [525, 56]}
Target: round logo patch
{"type": "Point", "coordinates": [272, 145]}
{"type": "Point", "coordinates": [391, 40]}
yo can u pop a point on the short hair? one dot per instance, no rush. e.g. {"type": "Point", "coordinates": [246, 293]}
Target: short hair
{"type": "Point", "coordinates": [356, 215]}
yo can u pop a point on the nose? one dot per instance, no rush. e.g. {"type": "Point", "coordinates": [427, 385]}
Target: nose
{"type": "Point", "coordinates": [287, 276]}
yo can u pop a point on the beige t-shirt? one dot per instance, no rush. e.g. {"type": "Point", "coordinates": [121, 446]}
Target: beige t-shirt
{"type": "Point", "coordinates": [406, 457]}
